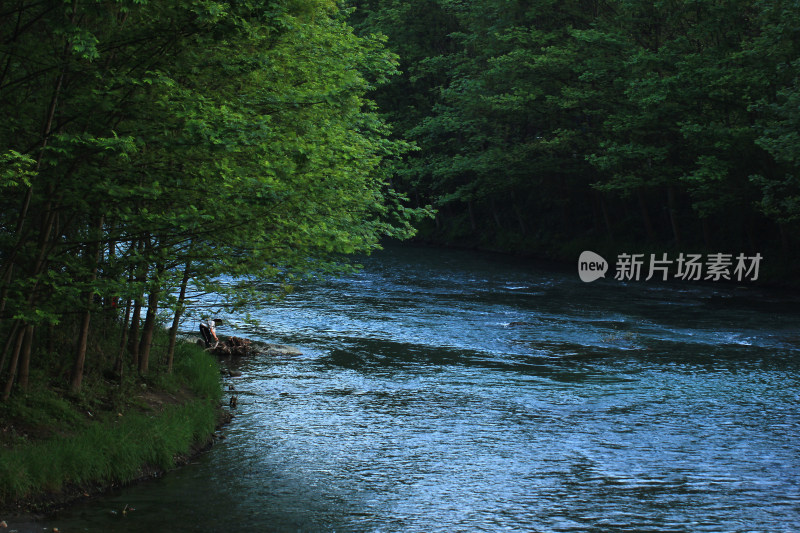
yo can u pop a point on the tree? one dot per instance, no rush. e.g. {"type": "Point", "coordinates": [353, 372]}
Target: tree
{"type": "Point", "coordinates": [182, 137]}
{"type": "Point", "coordinates": [776, 101]}
{"type": "Point", "coordinates": [546, 122]}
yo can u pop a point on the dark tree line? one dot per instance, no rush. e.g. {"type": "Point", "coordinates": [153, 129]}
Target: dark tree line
{"type": "Point", "coordinates": [543, 122]}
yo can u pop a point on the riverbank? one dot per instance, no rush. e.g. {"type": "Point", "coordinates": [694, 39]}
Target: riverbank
{"type": "Point", "coordinates": [55, 449]}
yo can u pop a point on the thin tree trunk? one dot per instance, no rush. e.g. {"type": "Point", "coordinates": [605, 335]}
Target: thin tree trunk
{"type": "Point", "coordinates": [12, 371]}
{"type": "Point", "coordinates": [50, 345]}
{"type": "Point", "coordinates": [11, 52]}
{"type": "Point", "coordinates": [12, 335]}
{"type": "Point", "coordinates": [119, 365]}
{"type": "Point", "coordinates": [38, 269]}
{"type": "Point", "coordinates": [123, 343]}
{"type": "Point", "coordinates": [150, 322]}
{"type": "Point", "coordinates": [147, 331]}
{"type": "Point", "coordinates": [111, 301]}
{"type": "Point", "coordinates": [80, 356]}
{"type": "Point", "coordinates": [133, 335]}
{"type": "Point", "coordinates": [6, 284]}
{"type": "Point", "coordinates": [24, 369]}
{"type": "Point", "coordinates": [83, 338]}
{"type": "Point", "coordinates": [173, 332]}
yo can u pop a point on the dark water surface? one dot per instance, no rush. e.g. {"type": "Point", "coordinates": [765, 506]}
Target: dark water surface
{"type": "Point", "coordinates": [452, 391]}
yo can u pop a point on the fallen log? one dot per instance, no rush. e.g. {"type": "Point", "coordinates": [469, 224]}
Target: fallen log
{"type": "Point", "coordinates": [237, 346]}
{"type": "Point", "coordinates": [234, 346]}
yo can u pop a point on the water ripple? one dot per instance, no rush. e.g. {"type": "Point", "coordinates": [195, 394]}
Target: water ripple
{"type": "Point", "coordinates": [450, 391]}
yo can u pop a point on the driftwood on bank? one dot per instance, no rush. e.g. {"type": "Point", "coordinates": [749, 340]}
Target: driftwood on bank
{"type": "Point", "coordinates": [234, 346]}
{"type": "Point", "coordinates": [240, 347]}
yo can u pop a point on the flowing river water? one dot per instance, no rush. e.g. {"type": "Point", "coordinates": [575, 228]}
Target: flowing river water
{"type": "Point", "coordinates": [444, 390]}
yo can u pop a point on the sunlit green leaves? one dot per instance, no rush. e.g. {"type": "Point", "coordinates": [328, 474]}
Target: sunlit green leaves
{"type": "Point", "coordinates": [16, 169]}
{"type": "Point", "coordinates": [236, 138]}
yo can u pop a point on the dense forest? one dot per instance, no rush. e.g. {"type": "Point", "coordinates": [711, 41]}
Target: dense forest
{"type": "Point", "coordinates": [149, 148]}
{"type": "Point", "coordinates": [543, 126]}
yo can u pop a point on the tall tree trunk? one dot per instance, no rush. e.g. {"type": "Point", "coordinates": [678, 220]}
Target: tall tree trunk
{"type": "Point", "coordinates": [12, 371]}
{"type": "Point", "coordinates": [76, 378]}
{"type": "Point", "coordinates": [50, 345]}
{"type": "Point", "coordinates": [110, 301]}
{"type": "Point", "coordinates": [83, 334]}
{"type": "Point", "coordinates": [133, 337]}
{"type": "Point", "coordinates": [24, 369]}
{"type": "Point", "coordinates": [11, 51]}
{"type": "Point", "coordinates": [123, 343]}
{"type": "Point", "coordinates": [12, 337]}
{"type": "Point", "coordinates": [8, 275]}
{"type": "Point", "coordinates": [119, 365]}
{"type": "Point", "coordinates": [150, 322]}
{"type": "Point", "coordinates": [133, 334]}
{"type": "Point", "coordinates": [38, 269]}
{"type": "Point", "coordinates": [25, 335]}
{"type": "Point", "coordinates": [173, 331]}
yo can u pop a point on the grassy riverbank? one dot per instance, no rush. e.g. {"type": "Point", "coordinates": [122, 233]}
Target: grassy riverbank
{"type": "Point", "coordinates": [55, 447]}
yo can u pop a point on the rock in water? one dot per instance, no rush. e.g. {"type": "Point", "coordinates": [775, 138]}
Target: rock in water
{"type": "Point", "coordinates": [279, 349]}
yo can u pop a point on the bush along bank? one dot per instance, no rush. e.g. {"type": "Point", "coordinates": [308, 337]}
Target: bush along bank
{"type": "Point", "coordinates": [55, 448]}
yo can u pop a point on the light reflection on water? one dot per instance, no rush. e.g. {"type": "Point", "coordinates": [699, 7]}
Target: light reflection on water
{"type": "Point", "coordinates": [449, 391]}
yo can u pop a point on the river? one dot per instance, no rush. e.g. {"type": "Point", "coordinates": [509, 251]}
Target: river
{"type": "Point", "coordinates": [445, 390]}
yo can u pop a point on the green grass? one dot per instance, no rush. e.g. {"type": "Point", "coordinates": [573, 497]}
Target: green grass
{"type": "Point", "coordinates": [193, 368]}
{"type": "Point", "coordinates": [44, 410]}
{"type": "Point", "coordinates": [107, 452]}
{"type": "Point", "coordinates": [109, 434]}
